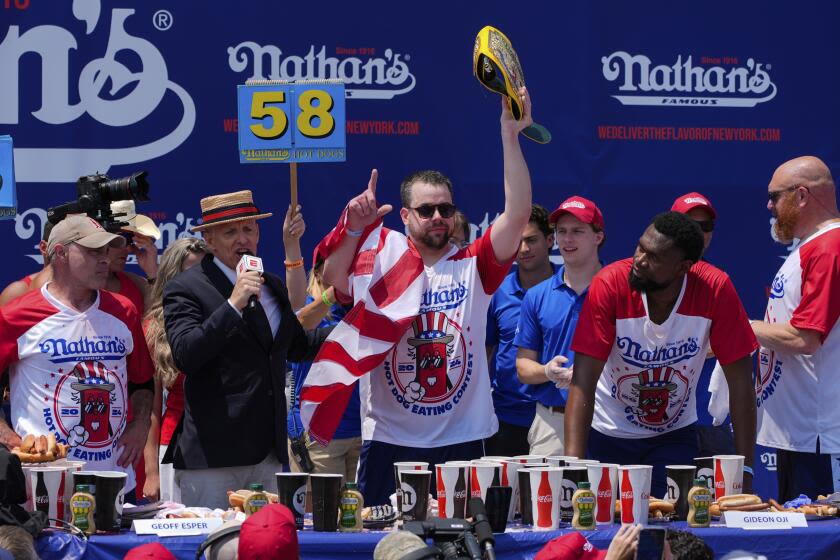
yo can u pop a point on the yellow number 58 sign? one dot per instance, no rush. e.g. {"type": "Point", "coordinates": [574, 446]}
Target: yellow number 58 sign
{"type": "Point", "coordinates": [300, 122]}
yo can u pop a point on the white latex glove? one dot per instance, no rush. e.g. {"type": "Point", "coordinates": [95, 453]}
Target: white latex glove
{"type": "Point", "coordinates": [557, 374]}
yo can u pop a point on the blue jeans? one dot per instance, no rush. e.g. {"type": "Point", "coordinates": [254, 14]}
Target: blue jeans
{"type": "Point", "coordinates": [671, 448]}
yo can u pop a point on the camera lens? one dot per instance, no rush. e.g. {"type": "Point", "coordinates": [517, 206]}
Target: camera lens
{"type": "Point", "coordinates": [133, 187]}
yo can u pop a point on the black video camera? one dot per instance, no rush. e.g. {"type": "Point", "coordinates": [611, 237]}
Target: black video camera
{"type": "Point", "coordinates": [456, 539]}
{"type": "Point", "coordinates": [95, 195]}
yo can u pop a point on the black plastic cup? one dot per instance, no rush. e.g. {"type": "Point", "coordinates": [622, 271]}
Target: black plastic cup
{"type": "Point", "coordinates": [291, 492]}
{"type": "Point", "coordinates": [326, 489]}
{"type": "Point", "coordinates": [706, 471]}
{"type": "Point", "coordinates": [571, 477]}
{"type": "Point", "coordinates": [680, 479]}
{"type": "Point", "coordinates": [415, 494]}
{"type": "Point", "coordinates": [525, 496]}
{"type": "Point", "coordinates": [110, 496]}
{"type": "Point", "coordinates": [497, 504]}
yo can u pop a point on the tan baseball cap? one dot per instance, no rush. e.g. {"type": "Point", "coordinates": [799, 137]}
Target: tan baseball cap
{"type": "Point", "coordinates": [81, 229]}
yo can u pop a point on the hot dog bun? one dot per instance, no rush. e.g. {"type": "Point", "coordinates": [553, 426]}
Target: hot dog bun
{"type": "Point", "coordinates": [661, 506]}
{"type": "Point", "coordinates": [738, 500]}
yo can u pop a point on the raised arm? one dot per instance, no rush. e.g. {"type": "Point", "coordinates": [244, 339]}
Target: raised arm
{"type": "Point", "coordinates": [293, 228]}
{"type": "Point", "coordinates": [362, 211]}
{"type": "Point", "coordinates": [507, 229]}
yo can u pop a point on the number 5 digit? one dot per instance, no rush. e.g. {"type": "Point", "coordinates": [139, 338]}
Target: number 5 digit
{"type": "Point", "coordinates": [260, 110]}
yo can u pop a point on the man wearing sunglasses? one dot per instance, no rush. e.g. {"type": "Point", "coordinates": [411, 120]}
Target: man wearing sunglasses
{"type": "Point", "coordinates": [797, 386]}
{"type": "Point", "coordinates": [429, 398]}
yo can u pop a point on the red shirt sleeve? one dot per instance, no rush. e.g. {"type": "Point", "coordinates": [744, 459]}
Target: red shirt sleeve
{"type": "Point", "coordinates": [731, 336]}
{"type": "Point", "coordinates": [595, 331]}
{"type": "Point", "coordinates": [8, 343]}
{"type": "Point", "coordinates": [139, 362]}
{"type": "Point", "coordinates": [490, 270]}
{"type": "Point", "coordinates": [819, 307]}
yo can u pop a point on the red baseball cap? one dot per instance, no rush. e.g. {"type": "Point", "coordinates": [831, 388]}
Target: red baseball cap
{"type": "Point", "coordinates": [269, 534]}
{"type": "Point", "coordinates": [573, 546]}
{"type": "Point", "coordinates": [690, 201]}
{"type": "Point", "coordinates": [151, 550]}
{"type": "Point", "coordinates": [581, 208]}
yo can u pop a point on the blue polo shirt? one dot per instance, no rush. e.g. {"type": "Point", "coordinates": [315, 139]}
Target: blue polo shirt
{"type": "Point", "coordinates": [511, 400]}
{"type": "Point", "coordinates": [547, 324]}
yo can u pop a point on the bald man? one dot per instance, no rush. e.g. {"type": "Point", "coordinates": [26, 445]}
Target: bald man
{"type": "Point", "coordinates": [797, 383]}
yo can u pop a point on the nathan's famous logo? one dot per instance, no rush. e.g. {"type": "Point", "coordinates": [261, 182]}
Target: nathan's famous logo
{"type": "Point", "coordinates": [29, 224]}
{"type": "Point", "coordinates": [654, 398]}
{"type": "Point", "coordinates": [89, 406]}
{"type": "Point", "coordinates": [687, 85]}
{"type": "Point", "coordinates": [767, 375]}
{"type": "Point", "coordinates": [373, 78]}
{"type": "Point", "coordinates": [431, 371]}
{"type": "Point", "coordinates": [61, 350]}
{"type": "Point", "coordinates": [634, 354]}
{"type": "Point", "coordinates": [777, 290]}
{"type": "Point", "coordinates": [443, 297]}
{"type": "Point", "coordinates": [108, 91]}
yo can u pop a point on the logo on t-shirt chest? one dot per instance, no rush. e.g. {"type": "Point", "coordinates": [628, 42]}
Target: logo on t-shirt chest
{"type": "Point", "coordinates": [100, 347]}
{"type": "Point", "coordinates": [445, 297]}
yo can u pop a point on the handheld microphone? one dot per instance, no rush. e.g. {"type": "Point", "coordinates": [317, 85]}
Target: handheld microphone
{"type": "Point", "coordinates": [481, 526]}
{"type": "Point", "coordinates": [247, 263]}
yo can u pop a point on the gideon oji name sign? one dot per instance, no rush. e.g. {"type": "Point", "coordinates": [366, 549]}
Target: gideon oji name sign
{"type": "Point", "coordinates": [291, 122]}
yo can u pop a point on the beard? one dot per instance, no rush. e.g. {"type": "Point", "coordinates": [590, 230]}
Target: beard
{"type": "Point", "coordinates": [431, 240]}
{"type": "Point", "coordinates": [787, 216]}
{"type": "Point", "coordinates": [644, 285]}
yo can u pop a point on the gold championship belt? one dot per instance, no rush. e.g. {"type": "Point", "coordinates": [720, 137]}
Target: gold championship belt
{"type": "Point", "coordinates": [497, 67]}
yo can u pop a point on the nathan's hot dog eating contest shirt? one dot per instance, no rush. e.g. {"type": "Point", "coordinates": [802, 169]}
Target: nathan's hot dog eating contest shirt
{"type": "Point", "coordinates": [433, 388]}
{"type": "Point", "coordinates": [69, 371]}
{"type": "Point", "coordinates": [650, 377]}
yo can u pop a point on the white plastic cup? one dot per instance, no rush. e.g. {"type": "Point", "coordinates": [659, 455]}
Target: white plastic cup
{"type": "Point", "coordinates": [729, 475]}
{"type": "Point", "coordinates": [603, 481]}
{"type": "Point", "coordinates": [634, 489]}
{"type": "Point", "coordinates": [483, 474]}
{"type": "Point", "coordinates": [546, 486]}
{"type": "Point", "coordinates": [450, 503]}
{"type": "Point", "coordinates": [510, 478]}
{"type": "Point", "coordinates": [559, 460]}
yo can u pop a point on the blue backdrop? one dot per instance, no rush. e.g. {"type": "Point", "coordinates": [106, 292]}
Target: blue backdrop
{"type": "Point", "coordinates": [645, 102]}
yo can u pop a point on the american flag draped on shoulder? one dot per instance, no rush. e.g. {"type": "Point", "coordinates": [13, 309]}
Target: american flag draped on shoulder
{"type": "Point", "coordinates": [386, 284]}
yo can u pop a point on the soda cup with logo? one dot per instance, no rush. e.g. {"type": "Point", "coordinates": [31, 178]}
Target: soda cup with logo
{"type": "Point", "coordinates": [572, 476]}
{"type": "Point", "coordinates": [546, 486]}
{"type": "Point", "coordinates": [451, 490]}
{"type": "Point", "coordinates": [401, 466]}
{"type": "Point", "coordinates": [603, 480]}
{"type": "Point", "coordinates": [634, 488]}
{"type": "Point", "coordinates": [48, 490]}
{"type": "Point", "coordinates": [705, 471]}
{"type": "Point", "coordinates": [729, 475]}
{"type": "Point", "coordinates": [510, 478]}
{"type": "Point", "coordinates": [482, 475]}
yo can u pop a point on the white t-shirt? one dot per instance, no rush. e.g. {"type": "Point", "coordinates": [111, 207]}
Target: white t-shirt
{"type": "Point", "coordinates": [69, 372]}
{"type": "Point", "coordinates": [798, 396]}
{"type": "Point", "coordinates": [433, 388]}
{"type": "Point", "coordinates": [650, 376]}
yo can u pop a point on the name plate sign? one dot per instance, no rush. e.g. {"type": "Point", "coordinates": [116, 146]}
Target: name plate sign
{"type": "Point", "coordinates": [176, 527]}
{"type": "Point", "coordinates": [757, 521]}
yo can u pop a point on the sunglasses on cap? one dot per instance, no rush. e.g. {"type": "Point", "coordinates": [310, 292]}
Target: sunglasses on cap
{"type": "Point", "coordinates": [446, 210]}
{"type": "Point", "coordinates": [706, 226]}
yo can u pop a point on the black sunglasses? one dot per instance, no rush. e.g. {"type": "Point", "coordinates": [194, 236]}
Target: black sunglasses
{"type": "Point", "coordinates": [706, 226]}
{"type": "Point", "coordinates": [773, 196]}
{"type": "Point", "coordinates": [446, 210]}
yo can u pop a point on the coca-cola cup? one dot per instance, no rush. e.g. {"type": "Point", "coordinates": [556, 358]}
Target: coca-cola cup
{"type": "Point", "coordinates": [603, 480]}
{"type": "Point", "coordinates": [483, 474]}
{"type": "Point", "coordinates": [48, 490]}
{"type": "Point", "coordinates": [495, 458]}
{"type": "Point", "coordinates": [706, 471]}
{"type": "Point", "coordinates": [509, 478]}
{"type": "Point", "coordinates": [569, 485]}
{"type": "Point", "coordinates": [581, 462]}
{"type": "Point", "coordinates": [680, 479]}
{"type": "Point", "coordinates": [401, 466]}
{"type": "Point", "coordinates": [291, 492]}
{"type": "Point", "coordinates": [110, 496]}
{"type": "Point", "coordinates": [528, 458]}
{"type": "Point", "coordinates": [524, 477]}
{"type": "Point", "coordinates": [545, 497]}
{"type": "Point", "coordinates": [452, 490]}
{"type": "Point", "coordinates": [729, 475]}
{"type": "Point", "coordinates": [559, 460]}
{"type": "Point", "coordinates": [498, 504]}
{"type": "Point", "coordinates": [415, 494]}
{"type": "Point", "coordinates": [634, 490]}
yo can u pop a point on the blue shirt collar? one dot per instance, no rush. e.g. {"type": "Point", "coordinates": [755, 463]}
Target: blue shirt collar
{"type": "Point", "coordinates": [516, 287]}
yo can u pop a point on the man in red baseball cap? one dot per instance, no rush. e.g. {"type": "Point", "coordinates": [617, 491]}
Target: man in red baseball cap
{"type": "Point", "coordinates": [700, 209]}
{"type": "Point", "coordinates": [269, 534]}
{"type": "Point", "coordinates": [548, 318]}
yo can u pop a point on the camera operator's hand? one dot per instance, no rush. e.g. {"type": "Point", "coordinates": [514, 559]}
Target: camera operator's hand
{"type": "Point", "coordinates": [557, 374]}
{"type": "Point", "coordinates": [624, 544]}
{"type": "Point", "coordinates": [144, 249]}
{"type": "Point", "coordinates": [247, 285]}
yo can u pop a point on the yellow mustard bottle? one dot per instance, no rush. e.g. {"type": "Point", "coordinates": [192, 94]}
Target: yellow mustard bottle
{"type": "Point", "coordinates": [256, 501]}
{"type": "Point", "coordinates": [583, 505]}
{"type": "Point", "coordinates": [351, 505]}
{"type": "Point", "coordinates": [83, 506]}
{"type": "Point", "coordinates": [699, 504]}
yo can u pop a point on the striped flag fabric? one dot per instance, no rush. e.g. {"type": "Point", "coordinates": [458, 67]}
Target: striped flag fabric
{"type": "Point", "coordinates": [386, 284]}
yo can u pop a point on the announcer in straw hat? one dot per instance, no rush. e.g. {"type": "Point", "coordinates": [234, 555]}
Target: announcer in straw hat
{"type": "Point", "coordinates": [234, 356]}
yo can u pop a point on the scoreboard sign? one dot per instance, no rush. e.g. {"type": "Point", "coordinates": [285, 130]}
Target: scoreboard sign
{"type": "Point", "coordinates": [291, 122]}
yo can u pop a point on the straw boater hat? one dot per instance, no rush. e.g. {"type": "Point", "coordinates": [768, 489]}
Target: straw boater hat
{"type": "Point", "coordinates": [125, 211]}
{"type": "Point", "coordinates": [227, 208]}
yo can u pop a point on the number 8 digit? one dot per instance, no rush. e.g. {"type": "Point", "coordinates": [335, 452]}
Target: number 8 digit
{"type": "Point", "coordinates": [326, 123]}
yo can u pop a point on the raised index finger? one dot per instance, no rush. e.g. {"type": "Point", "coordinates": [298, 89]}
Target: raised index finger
{"type": "Point", "coordinates": [374, 176]}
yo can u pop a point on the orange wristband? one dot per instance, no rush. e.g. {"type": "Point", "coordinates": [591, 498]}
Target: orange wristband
{"type": "Point", "coordinates": [293, 264]}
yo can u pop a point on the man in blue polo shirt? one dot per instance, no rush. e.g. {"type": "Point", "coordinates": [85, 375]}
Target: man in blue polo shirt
{"type": "Point", "coordinates": [548, 319]}
{"type": "Point", "coordinates": [513, 405]}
